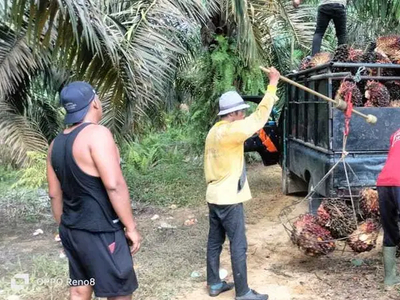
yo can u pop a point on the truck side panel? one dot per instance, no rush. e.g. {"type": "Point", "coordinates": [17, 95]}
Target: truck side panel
{"type": "Point", "coordinates": [366, 137]}
{"type": "Point", "coordinates": [362, 170]}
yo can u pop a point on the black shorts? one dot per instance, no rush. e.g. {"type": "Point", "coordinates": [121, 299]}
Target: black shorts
{"type": "Point", "coordinates": [102, 260]}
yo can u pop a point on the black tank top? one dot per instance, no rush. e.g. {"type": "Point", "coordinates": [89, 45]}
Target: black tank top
{"type": "Point", "coordinates": [86, 204]}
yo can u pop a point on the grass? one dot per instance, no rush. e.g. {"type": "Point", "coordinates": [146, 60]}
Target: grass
{"type": "Point", "coordinates": [181, 184]}
{"type": "Point", "coordinates": [23, 205]}
{"type": "Point", "coordinates": [163, 266]}
{"type": "Point", "coordinates": [169, 256]}
{"type": "Point", "coordinates": [8, 176]}
{"type": "Point", "coordinates": [47, 278]}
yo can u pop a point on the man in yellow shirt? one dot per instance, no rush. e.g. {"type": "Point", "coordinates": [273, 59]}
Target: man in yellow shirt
{"type": "Point", "coordinates": [227, 186]}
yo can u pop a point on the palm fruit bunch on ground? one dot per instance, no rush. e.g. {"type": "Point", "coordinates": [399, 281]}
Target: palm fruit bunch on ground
{"type": "Point", "coordinates": [320, 58]}
{"type": "Point", "coordinates": [377, 94]}
{"type": "Point", "coordinates": [347, 87]}
{"type": "Point", "coordinates": [364, 238]}
{"type": "Point", "coordinates": [394, 89]}
{"type": "Point", "coordinates": [310, 237]}
{"type": "Point", "coordinates": [337, 217]}
{"type": "Point", "coordinates": [369, 203]}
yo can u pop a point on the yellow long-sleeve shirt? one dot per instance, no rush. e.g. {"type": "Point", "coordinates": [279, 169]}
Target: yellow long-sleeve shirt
{"type": "Point", "coordinates": [224, 153]}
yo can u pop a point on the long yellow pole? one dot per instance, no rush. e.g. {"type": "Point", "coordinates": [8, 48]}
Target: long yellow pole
{"type": "Point", "coordinates": [340, 104]}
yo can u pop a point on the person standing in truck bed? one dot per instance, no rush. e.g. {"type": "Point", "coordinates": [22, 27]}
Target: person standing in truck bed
{"type": "Point", "coordinates": [328, 10]}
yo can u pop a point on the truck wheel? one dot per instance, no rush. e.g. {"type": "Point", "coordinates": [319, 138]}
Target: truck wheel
{"type": "Point", "coordinates": [314, 200]}
{"type": "Point", "coordinates": [292, 183]}
{"type": "Point", "coordinates": [285, 187]}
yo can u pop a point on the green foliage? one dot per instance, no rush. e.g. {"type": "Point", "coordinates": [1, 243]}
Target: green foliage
{"type": "Point", "coordinates": [8, 175]}
{"type": "Point", "coordinates": [163, 167]}
{"type": "Point", "coordinates": [34, 174]}
{"type": "Point", "coordinates": [6, 156]}
{"type": "Point", "coordinates": [23, 204]}
{"type": "Point", "coordinates": [181, 183]}
{"type": "Point", "coordinates": [215, 72]}
{"type": "Point", "coordinates": [169, 145]}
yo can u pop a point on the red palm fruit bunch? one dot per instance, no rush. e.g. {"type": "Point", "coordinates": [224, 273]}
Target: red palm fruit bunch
{"type": "Point", "coordinates": [320, 59]}
{"type": "Point", "coordinates": [305, 63]}
{"type": "Point", "coordinates": [395, 57]}
{"type": "Point", "coordinates": [369, 54]}
{"type": "Point", "coordinates": [364, 238]}
{"type": "Point", "coordinates": [383, 59]}
{"type": "Point", "coordinates": [377, 94]}
{"type": "Point", "coordinates": [337, 217]}
{"type": "Point", "coordinates": [350, 87]}
{"type": "Point", "coordinates": [311, 238]}
{"type": "Point", "coordinates": [355, 55]}
{"type": "Point", "coordinates": [378, 58]}
{"type": "Point", "coordinates": [388, 45]}
{"type": "Point", "coordinates": [342, 53]}
{"type": "Point", "coordinates": [395, 103]}
{"type": "Point", "coordinates": [369, 203]}
{"type": "Point", "coordinates": [394, 89]}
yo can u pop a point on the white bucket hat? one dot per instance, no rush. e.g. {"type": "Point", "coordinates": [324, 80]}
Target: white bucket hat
{"type": "Point", "coordinates": [230, 102]}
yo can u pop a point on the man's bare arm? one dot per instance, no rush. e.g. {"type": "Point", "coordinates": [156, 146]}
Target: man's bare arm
{"type": "Point", "coordinates": [55, 192]}
{"type": "Point", "coordinates": [106, 158]}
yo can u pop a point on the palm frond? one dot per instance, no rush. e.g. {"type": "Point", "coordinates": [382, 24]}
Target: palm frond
{"type": "Point", "coordinates": [16, 60]}
{"type": "Point", "coordinates": [283, 29]}
{"type": "Point", "coordinates": [388, 11]}
{"type": "Point", "coordinates": [19, 134]}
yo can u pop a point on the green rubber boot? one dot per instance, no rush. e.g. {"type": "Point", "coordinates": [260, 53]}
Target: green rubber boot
{"type": "Point", "coordinates": [390, 266]}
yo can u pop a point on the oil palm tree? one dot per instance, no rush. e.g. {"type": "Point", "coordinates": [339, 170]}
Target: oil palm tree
{"type": "Point", "coordinates": [126, 49]}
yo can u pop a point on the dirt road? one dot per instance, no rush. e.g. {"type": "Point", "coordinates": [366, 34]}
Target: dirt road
{"type": "Point", "coordinates": [278, 268]}
{"type": "Point", "coordinates": [170, 254]}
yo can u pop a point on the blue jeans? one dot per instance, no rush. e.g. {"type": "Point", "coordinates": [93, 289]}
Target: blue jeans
{"type": "Point", "coordinates": [227, 220]}
{"type": "Point", "coordinates": [326, 13]}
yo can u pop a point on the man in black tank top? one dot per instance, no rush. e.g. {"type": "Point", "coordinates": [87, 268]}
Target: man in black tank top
{"type": "Point", "coordinates": [90, 201]}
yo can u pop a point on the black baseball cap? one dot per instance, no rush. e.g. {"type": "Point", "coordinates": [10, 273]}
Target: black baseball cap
{"type": "Point", "coordinates": [75, 98]}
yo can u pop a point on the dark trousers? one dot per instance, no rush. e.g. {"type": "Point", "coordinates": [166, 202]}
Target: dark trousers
{"type": "Point", "coordinates": [389, 206]}
{"type": "Point", "coordinates": [227, 220]}
{"type": "Point", "coordinates": [326, 13]}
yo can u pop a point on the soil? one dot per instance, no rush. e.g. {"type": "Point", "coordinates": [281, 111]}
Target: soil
{"type": "Point", "coordinates": [276, 267]}
{"type": "Point", "coordinates": [170, 255]}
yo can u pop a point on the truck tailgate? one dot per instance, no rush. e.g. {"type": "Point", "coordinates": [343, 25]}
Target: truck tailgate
{"type": "Point", "coordinates": [364, 137]}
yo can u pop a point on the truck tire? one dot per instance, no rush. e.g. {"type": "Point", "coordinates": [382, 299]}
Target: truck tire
{"type": "Point", "coordinates": [285, 187]}
{"type": "Point", "coordinates": [291, 183]}
{"type": "Point", "coordinates": [314, 200]}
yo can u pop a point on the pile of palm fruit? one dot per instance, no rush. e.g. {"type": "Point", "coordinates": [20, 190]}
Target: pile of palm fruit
{"type": "Point", "coordinates": [366, 93]}
{"type": "Point", "coordinates": [336, 220]}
